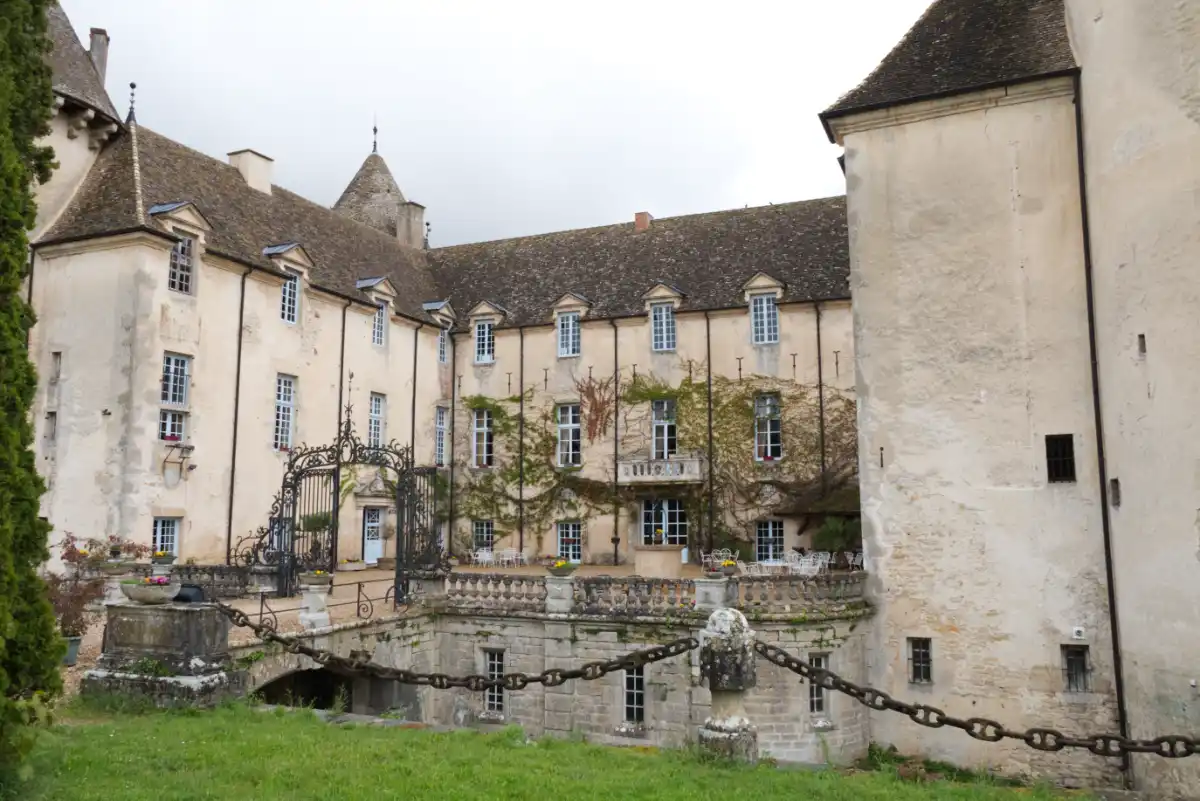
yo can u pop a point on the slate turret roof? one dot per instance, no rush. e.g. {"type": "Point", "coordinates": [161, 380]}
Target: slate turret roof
{"type": "Point", "coordinates": [964, 45]}
{"type": "Point", "coordinates": [75, 75]}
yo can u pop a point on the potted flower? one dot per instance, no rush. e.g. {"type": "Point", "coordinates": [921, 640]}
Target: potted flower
{"type": "Point", "coordinates": [352, 564]}
{"type": "Point", "coordinates": [713, 571]}
{"type": "Point", "coordinates": [162, 558]}
{"type": "Point", "coordinates": [728, 567]}
{"type": "Point", "coordinates": [561, 567]}
{"type": "Point", "coordinates": [316, 578]}
{"type": "Point", "coordinates": [71, 596]}
{"type": "Point", "coordinates": [150, 590]}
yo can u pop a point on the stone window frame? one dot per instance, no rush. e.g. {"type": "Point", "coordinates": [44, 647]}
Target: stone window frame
{"type": "Point", "coordinates": [483, 439]}
{"type": "Point", "coordinates": [919, 651]}
{"type": "Point", "coordinates": [484, 338]}
{"type": "Point", "coordinates": [174, 397]}
{"type": "Point", "coordinates": [493, 665]}
{"type": "Point", "coordinates": [161, 526]}
{"type": "Point", "coordinates": [568, 328]}
{"type": "Point", "coordinates": [818, 696]}
{"type": "Point", "coordinates": [569, 428]}
{"type": "Point", "coordinates": [622, 726]}
{"type": "Point", "coordinates": [184, 259]}
{"type": "Point", "coordinates": [765, 324]}
{"type": "Point", "coordinates": [664, 337]}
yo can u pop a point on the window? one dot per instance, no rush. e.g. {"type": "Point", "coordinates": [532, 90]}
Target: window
{"type": "Point", "coordinates": [764, 320]}
{"type": "Point", "coordinates": [166, 535]}
{"type": "Point", "coordinates": [662, 326]}
{"type": "Point", "coordinates": [379, 325]}
{"type": "Point", "coordinates": [481, 441]}
{"type": "Point", "coordinates": [570, 541]}
{"type": "Point", "coordinates": [768, 540]}
{"type": "Point", "coordinates": [1060, 457]}
{"type": "Point", "coordinates": [439, 436]}
{"type": "Point", "coordinates": [768, 429]}
{"type": "Point", "coordinates": [568, 334]}
{"type": "Point", "coordinates": [1077, 668]}
{"type": "Point", "coordinates": [289, 298]}
{"type": "Point", "coordinates": [666, 516]}
{"type": "Point", "coordinates": [493, 697]}
{"type": "Point", "coordinates": [179, 279]}
{"type": "Point", "coordinates": [663, 414]}
{"type": "Point", "coordinates": [51, 426]}
{"type": "Point", "coordinates": [816, 693]}
{"type": "Point", "coordinates": [376, 420]}
{"type": "Point", "coordinates": [285, 411]}
{"type": "Point", "coordinates": [635, 695]}
{"type": "Point", "coordinates": [485, 342]}
{"type": "Point", "coordinates": [483, 534]}
{"type": "Point", "coordinates": [55, 366]}
{"type": "Point", "coordinates": [569, 436]}
{"type": "Point", "coordinates": [173, 394]}
{"type": "Point", "coordinates": [920, 660]}
{"type": "Point", "coordinates": [442, 346]}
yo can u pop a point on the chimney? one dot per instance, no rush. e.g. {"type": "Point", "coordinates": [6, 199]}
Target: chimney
{"type": "Point", "coordinates": [641, 221]}
{"type": "Point", "coordinates": [98, 49]}
{"type": "Point", "coordinates": [254, 167]}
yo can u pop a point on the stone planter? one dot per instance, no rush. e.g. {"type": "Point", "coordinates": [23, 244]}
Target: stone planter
{"type": "Point", "coordinates": [162, 560]}
{"type": "Point", "coordinates": [309, 580]}
{"type": "Point", "coordinates": [116, 568]}
{"type": "Point", "coordinates": [714, 574]}
{"type": "Point", "coordinates": [150, 593]}
{"type": "Point", "coordinates": [561, 572]}
{"type": "Point", "coordinates": [386, 563]}
{"type": "Point", "coordinates": [729, 571]}
{"type": "Point", "coordinates": [350, 567]}
{"type": "Point", "coordinates": [72, 654]}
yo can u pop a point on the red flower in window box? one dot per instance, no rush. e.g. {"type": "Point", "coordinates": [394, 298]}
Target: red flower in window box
{"type": "Point", "coordinates": [170, 438]}
{"type": "Point", "coordinates": [768, 458]}
{"type": "Point", "coordinates": [284, 448]}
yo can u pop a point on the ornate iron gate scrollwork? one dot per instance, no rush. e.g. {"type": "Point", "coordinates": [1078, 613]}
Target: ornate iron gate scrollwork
{"type": "Point", "coordinates": [302, 528]}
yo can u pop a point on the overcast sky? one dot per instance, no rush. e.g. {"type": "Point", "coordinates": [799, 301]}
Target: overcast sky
{"type": "Point", "coordinates": [515, 117]}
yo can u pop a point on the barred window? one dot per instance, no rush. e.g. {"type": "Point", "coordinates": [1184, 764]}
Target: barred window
{"type": "Point", "coordinates": [377, 420]}
{"type": "Point", "coordinates": [663, 414]}
{"type": "Point", "coordinates": [379, 325]}
{"type": "Point", "coordinates": [485, 342]}
{"type": "Point", "coordinates": [768, 428]}
{"type": "Point", "coordinates": [920, 660]}
{"type": "Point", "coordinates": [816, 693]}
{"type": "Point", "coordinates": [568, 334]}
{"type": "Point", "coordinates": [285, 411]}
{"type": "Point", "coordinates": [570, 541]}
{"type": "Point", "coordinates": [570, 452]}
{"type": "Point", "coordinates": [635, 695]}
{"type": "Point", "coordinates": [481, 441]}
{"type": "Point", "coordinates": [662, 326]}
{"type": "Point", "coordinates": [1060, 457]}
{"type": "Point", "coordinates": [1077, 668]}
{"type": "Point", "coordinates": [768, 540]}
{"type": "Point", "coordinates": [179, 279]}
{"type": "Point", "coordinates": [493, 701]}
{"type": "Point", "coordinates": [439, 434]}
{"type": "Point", "coordinates": [483, 534]}
{"type": "Point", "coordinates": [764, 319]}
{"type": "Point", "coordinates": [289, 299]}
{"type": "Point", "coordinates": [166, 535]}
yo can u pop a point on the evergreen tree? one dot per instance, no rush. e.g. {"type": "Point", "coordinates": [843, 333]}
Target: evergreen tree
{"type": "Point", "coordinates": [30, 646]}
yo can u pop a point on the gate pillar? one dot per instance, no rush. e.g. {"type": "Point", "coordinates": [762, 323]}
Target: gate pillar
{"type": "Point", "coordinates": [727, 666]}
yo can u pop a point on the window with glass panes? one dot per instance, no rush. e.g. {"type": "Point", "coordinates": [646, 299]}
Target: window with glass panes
{"type": "Point", "coordinates": [570, 541]}
{"type": "Point", "coordinates": [568, 334]}
{"type": "Point", "coordinates": [379, 326]}
{"type": "Point", "coordinates": [764, 319]}
{"type": "Point", "coordinates": [289, 299]}
{"type": "Point", "coordinates": [667, 516]}
{"type": "Point", "coordinates": [662, 413]}
{"type": "Point", "coordinates": [179, 278]}
{"type": "Point", "coordinates": [483, 534]}
{"type": "Point", "coordinates": [376, 420]}
{"type": "Point", "coordinates": [439, 434]}
{"type": "Point", "coordinates": [768, 428]}
{"type": "Point", "coordinates": [485, 342]}
{"type": "Point", "coordinates": [635, 695]}
{"type": "Point", "coordinates": [442, 347]}
{"type": "Point", "coordinates": [481, 439]}
{"type": "Point", "coordinates": [166, 535]}
{"type": "Point", "coordinates": [768, 540]}
{"type": "Point", "coordinates": [662, 326]}
{"type": "Point", "coordinates": [817, 700]}
{"type": "Point", "coordinates": [172, 420]}
{"type": "Point", "coordinates": [285, 411]}
{"type": "Point", "coordinates": [570, 453]}
{"type": "Point", "coordinates": [493, 698]}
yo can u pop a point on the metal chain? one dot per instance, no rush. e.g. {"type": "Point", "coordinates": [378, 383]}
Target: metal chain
{"type": "Point", "coordinates": [1041, 739]}
{"type": "Point", "coordinates": [360, 664]}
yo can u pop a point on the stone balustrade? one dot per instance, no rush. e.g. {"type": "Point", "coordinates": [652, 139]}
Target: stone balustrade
{"type": "Point", "coordinates": [830, 593]}
{"type": "Point", "coordinates": [499, 591]}
{"type": "Point", "coordinates": [676, 470]}
{"type": "Point", "coordinates": [633, 596]}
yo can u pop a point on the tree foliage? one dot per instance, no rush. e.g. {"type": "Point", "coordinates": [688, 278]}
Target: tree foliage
{"type": "Point", "coordinates": [30, 645]}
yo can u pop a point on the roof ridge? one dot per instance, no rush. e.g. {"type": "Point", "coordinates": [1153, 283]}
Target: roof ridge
{"type": "Point", "coordinates": [138, 201]}
{"type": "Point", "coordinates": [657, 220]}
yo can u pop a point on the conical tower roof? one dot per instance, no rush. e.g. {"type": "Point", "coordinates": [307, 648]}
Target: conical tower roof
{"type": "Point", "coordinates": [373, 197]}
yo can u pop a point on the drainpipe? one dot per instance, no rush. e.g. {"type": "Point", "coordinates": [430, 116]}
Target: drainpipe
{"type": "Point", "coordinates": [452, 433]}
{"type": "Point", "coordinates": [521, 443]}
{"type": "Point", "coordinates": [337, 468]}
{"type": "Point", "coordinates": [237, 397]}
{"type": "Point", "coordinates": [29, 298]}
{"type": "Point", "coordinates": [616, 534]}
{"type": "Point", "coordinates": [821, 401]}
{"type": "Point", "coordinates": [708, 359]}
{"type": "Point", "coordinates": [412, 421]}
{"type": "Point", "coordinates": [1105, 523]}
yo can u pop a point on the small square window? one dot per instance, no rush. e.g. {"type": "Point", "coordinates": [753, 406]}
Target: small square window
{"type": "Point", "coordinates": [1077, 668]}
{"type": "Point", "coordinates": [1060, 457]}
{"type": "Point", "coordinates": [920, 660]}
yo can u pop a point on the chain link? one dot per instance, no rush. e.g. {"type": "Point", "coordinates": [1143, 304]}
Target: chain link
{"type": "Point", "coordinates": [1040, 739]}
{"type": "Point", "coordinates": [360, 664]}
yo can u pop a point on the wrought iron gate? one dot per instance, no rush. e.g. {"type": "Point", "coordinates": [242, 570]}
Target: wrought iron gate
{"type": "Point", "coordinates": [302, 530]}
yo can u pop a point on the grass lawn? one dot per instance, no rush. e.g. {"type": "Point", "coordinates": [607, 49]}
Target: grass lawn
{"type": "Point", "coordinates": [238, 753]}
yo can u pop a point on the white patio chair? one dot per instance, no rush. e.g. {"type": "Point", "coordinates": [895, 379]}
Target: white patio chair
{"type": "Point", "coordinates": [857, 564]}
{"type": "Point", "coordinates": [483, 557]}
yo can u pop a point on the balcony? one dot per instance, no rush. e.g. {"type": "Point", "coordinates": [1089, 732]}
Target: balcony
{"type": "Point", "coordinates": [675, 470]}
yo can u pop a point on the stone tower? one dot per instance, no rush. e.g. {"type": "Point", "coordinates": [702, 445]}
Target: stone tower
{"type": "Point", "coordinates": [374, 198]}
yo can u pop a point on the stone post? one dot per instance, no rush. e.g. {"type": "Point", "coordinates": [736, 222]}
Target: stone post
{"type": "Point", "coordinates": [315, 614]}
{"type": "Point", "coordinates": [560, 594]}
{"type": "Point", "coordinates": [711, 594]}
{"type": "Point", "coordinates": [727, 664]}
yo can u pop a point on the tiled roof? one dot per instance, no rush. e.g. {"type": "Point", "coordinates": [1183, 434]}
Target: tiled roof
{"type": "Point", "coordinates": [74, 74]}
{"type": "Point", "coordinates": [244, 221]}
{"type": "Point", "coordinates": [707, 256]}
{"type": "Point", "coordinates": [959, 45]}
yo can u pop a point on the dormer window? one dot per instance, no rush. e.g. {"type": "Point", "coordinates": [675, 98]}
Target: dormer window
{"type": "Point", "coordinates": [289, 299]}
{"type": "Point", "coordinates": [662, 326]}
{"type": "Point", "coordinates": [443, 345]}
{"type": "Point", "coordinates": [568, 335]}
{"type": "Point", "coordinates": [485, 341]}
{"type": "Point", "coordinates": [764, 319]}
{"type": "Point", "coordinates": [182, 255]}
{"type": "Point", "coordinates": [379, 326]}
